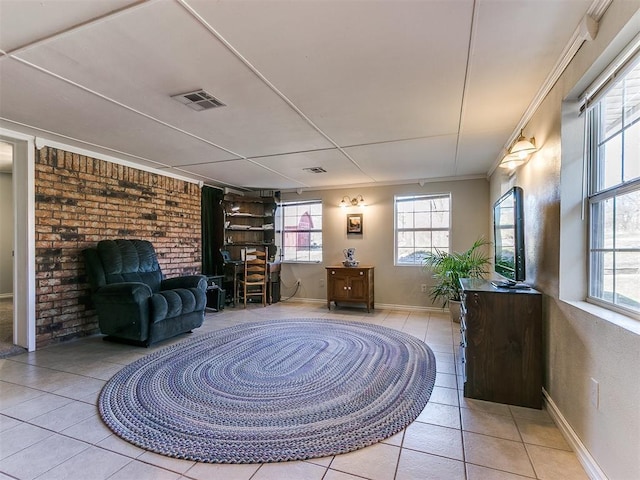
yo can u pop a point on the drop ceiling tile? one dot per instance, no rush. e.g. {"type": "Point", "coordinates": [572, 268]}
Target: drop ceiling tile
{"type": "Point", "coordinates": [478, 152]}
{"type": "Point", "coordinates": [340, 170]}
{"type": "Point", "coordinates": [47, 138]}
{"type": "Point", "coordinates": [50, 104]}
{"type": "Point", "coordinates": [143, 57]}
{"type": "Point", "coordinates": [397, 75]}
{"type": "Point", "coordinates": [500, 58]}
{"type": "Point", "coordinates": [242, 173]}
{"type": "Point", "coordinates": [419, 158]}
{"type": "Point", "coordinates": [24, 21]}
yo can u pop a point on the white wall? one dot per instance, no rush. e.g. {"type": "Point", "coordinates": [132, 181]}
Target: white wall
{"type": "Point", "coordinates": [6, 234]}
{"type": "Point", "coordinates": [580, 343]}
{"type": "Point", "coordinates": [393, 285]}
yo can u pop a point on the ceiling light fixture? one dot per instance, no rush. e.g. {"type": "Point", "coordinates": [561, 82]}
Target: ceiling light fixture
{"type": "Point", "coordinates": [357, 201]}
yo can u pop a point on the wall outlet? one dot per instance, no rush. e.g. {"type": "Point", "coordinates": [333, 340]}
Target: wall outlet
{"type": "Point", "coordinates": [423, 288]}
{"type": "Point", "coordinates": [595, 393]}
{"type": "Point", "coordinates": [322, 282]}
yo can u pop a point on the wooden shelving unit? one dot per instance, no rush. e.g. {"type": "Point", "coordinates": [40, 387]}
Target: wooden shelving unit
{"type": "Point", "coordinates": [251, 225]}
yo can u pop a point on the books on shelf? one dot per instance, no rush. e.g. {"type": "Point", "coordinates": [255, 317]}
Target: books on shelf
{"type": "Point", "coordinates": [267, 226]}
{"type": "Point", "coordinates": [248, 215]}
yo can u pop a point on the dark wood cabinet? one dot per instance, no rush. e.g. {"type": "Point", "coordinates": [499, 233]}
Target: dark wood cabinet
{"type": "Point", "coordinates": [501, 344]}
{"type": "Point", "coordinates": [350, 285]}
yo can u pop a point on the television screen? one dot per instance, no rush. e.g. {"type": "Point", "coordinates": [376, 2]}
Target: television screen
{"type": "Point", "coordinates": [508, 229]}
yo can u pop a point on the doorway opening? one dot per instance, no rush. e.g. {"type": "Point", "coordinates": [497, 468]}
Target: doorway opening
{"type": "Point", "coordinates": [7, 220]}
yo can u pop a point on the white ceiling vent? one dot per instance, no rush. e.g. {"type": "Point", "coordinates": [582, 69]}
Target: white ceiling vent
{"type": "Point", "coordinates": [315, 170]}
{"type": "Point", "coordinates": [198, 100]}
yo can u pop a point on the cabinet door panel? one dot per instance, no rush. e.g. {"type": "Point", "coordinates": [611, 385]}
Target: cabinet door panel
{"type": "Point", "coordinates": [358, 288]}
{"type": "Point", "coordinates": [340, 288]}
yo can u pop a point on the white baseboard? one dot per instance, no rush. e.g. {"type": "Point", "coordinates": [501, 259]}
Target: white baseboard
{"type": "Point", "coordinates": [381, 306]}
{"type": "Point", "coordinates": [295, 299]}
{"type": "Point", "coordinates": [584, 457]}
{"type": "Point", "coordinates": [413, 308]}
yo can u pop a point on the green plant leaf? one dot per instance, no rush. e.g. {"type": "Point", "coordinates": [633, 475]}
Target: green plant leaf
{"type": "Point", "coordinates": [448, 268]}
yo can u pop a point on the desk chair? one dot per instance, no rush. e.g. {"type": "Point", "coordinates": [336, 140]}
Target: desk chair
{"type": "Point", "coordinates": [254, 281]}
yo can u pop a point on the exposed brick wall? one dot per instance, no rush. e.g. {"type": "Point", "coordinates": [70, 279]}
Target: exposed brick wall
{"type": "Point", "coordinates": [80, 201]}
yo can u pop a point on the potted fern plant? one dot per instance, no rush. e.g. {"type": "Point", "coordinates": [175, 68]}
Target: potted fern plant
{"type": "Point", "coordinates": [448, 268]}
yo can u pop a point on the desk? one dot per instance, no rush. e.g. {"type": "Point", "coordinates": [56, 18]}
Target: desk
{"type": "Point", "coordinates": [235, 269]}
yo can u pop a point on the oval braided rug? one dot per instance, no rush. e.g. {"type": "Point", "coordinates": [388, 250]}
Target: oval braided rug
{"type": "Point", "coordinates": [272, 391]}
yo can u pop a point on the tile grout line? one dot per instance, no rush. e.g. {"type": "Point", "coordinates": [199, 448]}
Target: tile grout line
{"type": "Point", "coordinates": [404, 430]}
{"type": "Point", "coordinates": [524, 445]}
{"type": "Point", "coordinates": [456, 360]}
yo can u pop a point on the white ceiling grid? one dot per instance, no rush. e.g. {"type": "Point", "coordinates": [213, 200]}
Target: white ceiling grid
{"type": "Point", "coordinates": [377, 92]}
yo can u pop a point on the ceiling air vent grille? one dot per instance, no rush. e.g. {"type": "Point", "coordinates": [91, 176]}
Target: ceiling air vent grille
{"type": "Point", "coordinates": [315, 170]}
{"type": "Point", "coordinates": [198, 100]}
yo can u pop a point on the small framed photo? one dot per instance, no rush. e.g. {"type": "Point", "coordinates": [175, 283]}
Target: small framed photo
{"type": "Point", "coordinates": [354, 223]}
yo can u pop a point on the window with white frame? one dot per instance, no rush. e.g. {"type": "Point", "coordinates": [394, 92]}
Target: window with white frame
{"type": "Point", "coordinates": [422, 224]}
{"type": "Point", "coordinates": [613, 139]}
{"type": "Point", "coordinates": [300, 231]}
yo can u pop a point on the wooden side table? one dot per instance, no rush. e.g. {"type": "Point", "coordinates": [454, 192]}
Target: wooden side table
{"type": "Point", "coordinates": [350, 285]}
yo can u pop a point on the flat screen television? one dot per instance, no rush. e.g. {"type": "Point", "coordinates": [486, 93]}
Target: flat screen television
{"type": "Point", "coordinates": [508, 229]}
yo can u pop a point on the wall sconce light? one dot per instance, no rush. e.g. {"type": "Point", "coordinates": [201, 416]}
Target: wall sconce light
{"type": "Point", "coordinates": [523, 147]}
{"type": "Point", "coordinates": [352, 202]}
{"type": "Point", "coordinates": [511, 162]}
{"type": "Point", "coordinates": [519, 152]}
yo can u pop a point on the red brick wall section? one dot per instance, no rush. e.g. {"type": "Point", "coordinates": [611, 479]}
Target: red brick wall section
{"type": "Point", "coordinates": [81, 200]}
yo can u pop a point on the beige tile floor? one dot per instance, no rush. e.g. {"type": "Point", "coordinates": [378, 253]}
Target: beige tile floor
{"type": "Point", "coordinates": [50, 428]}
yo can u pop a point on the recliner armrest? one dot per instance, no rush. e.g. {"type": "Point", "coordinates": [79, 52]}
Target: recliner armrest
{"type": "Point", "coordinates": [187, 281]}
{"type": "Point", "coordinates": [126, 292]}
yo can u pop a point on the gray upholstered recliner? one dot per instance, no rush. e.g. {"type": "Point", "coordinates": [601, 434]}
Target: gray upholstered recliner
{"type": "Point", "coordinates": [135, 304]}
